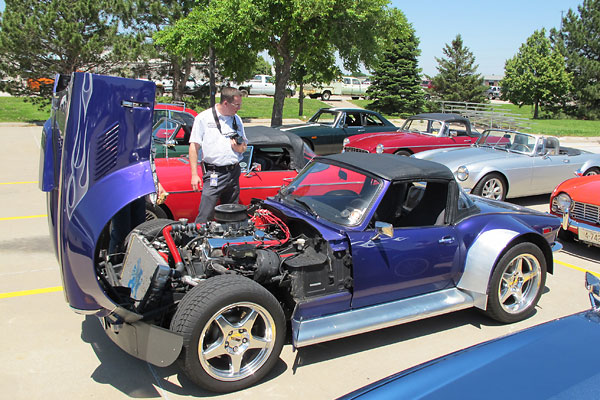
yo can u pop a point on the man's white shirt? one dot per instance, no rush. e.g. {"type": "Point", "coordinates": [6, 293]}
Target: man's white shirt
{"type": "Point", "coordinates": [216, 146]}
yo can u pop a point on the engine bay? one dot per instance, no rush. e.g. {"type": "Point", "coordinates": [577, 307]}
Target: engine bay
{"type": "Point", "coordinates": [165, 259]}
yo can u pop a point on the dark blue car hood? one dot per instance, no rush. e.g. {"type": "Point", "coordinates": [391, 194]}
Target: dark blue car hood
{"type": "Point", "coordinates": [554, 360]}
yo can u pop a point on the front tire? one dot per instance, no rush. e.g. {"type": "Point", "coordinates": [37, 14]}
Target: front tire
{"type": "Point", "coordinates": [491, 186]}
{"type": "Point", "coordinates": [517, 283]}
{"type": "Point", "coordinates": [325, 96]}
{"type": "Point", "coordinates": [154, 211]}
{"type": "Point", "coordinates": [592, 171]}
{"type": "Point", "coordinates": [233, 331]}
{"type": "Point", "coordinates": [403, 153]}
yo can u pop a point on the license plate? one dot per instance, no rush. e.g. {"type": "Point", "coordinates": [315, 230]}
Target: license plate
{"type": "Point", "coordinates": [589, 236]}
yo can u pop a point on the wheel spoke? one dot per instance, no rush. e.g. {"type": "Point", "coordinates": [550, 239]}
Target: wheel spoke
{"type": "Point", "coordinates": [249, 320]}
{"type": "Point", "coordinates": [505, 296]}
{"type": "Point", "coordinates": [236, 363]}
{"type": "Point", "coordinates": [529, 275]}
{"type": "Point", "coordinates": [216, 349]}
{"type": "Point", "coordinates": [224, 325]}
{"type": "Point", "coordinates": [258, 343]}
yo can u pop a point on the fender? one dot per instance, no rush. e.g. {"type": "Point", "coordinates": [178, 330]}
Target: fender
{"type": "Point", "coordinates": [482, 256]}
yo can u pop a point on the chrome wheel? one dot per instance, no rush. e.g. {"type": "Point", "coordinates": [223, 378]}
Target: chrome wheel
{"type": "Point", "coordinates": [520, 283]}
{"type": "Point", "coordinates": [236, 341]}
{"type": "Point", "coordinates": [493, 188]}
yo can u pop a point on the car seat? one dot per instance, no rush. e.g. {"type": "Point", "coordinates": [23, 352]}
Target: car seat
{"type": "Point", "coordinates": [552, 146]}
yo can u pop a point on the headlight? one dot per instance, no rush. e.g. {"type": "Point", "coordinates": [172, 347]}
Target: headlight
{"type": "Point", "coordinates": [379, 149]}
{"type": "Point", "coordinates": [462, 173]}
{"type": "Point", "coordinates": [561, 203]}
{"type": "Point", "coordinates": [345, 142]}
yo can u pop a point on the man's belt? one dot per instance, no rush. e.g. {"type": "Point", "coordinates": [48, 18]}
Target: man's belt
{"type": "Point", "coordinates": [219, 168]}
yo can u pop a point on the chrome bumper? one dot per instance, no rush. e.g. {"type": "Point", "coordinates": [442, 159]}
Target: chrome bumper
{"type": "Point", "coordinates": [567, 223]}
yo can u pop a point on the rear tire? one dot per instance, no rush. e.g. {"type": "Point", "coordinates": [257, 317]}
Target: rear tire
{"type": "Point", "coordinates": [517, 283]}
{"type": "Point", "coordinates": [326, 95]}
{"type": "Point", "coordinates": [233, 331]}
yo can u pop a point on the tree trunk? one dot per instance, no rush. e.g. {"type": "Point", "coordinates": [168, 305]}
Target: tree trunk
{"type": "Point", "coordinates": [301, 99]}
{"type": "Point", "coordinates": [282, 75]}
{"type": "Point", "coordinates": [535, 109]}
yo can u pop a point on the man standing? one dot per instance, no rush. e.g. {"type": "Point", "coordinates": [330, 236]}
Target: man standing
{"type": "Point", "coordinates": [220, 134]}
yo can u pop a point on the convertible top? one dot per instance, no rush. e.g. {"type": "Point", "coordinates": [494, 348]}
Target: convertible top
{"type": "Point", "coordinates": [265, 136]}
{"type": "Point", "coordinates": [442, 117]}
{"type": "Point", "coordinates": [391, 166]}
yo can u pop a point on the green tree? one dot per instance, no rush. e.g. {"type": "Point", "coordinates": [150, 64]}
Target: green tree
{"type": "Point", "coordinates": [536, 74]}
{"type": "Point", "coordinates": [262, 66]}
{"type": "Point", "coordinates": [287, 30]}
{"type": "Point", "coordinates": [396, 80]}
{"type": "Point", "coordinates": [39, 39]}
{"type": "Point", "coordinates": [148, 17]}
{"type": "Point", "coordinates": [579, 41]}
{"type": "Point", "coordinates": [457, 78]}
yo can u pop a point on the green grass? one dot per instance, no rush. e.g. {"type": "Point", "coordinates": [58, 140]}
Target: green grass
{"type": "Point", "coordinates": [15, 109]}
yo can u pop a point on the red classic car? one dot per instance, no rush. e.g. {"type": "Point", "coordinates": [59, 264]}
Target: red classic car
{"type": "Point", "coordinates": [419, 133]}
{"type": "Point", "coordinates": [577, 202]}
{"type": "Point", "coordinates": [272, 157]}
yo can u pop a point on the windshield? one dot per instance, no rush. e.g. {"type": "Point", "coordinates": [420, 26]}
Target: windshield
{"type": "Point", "coordinates": [164, 129]}
{"type": "Point", "coordinates": [424, 126]}
{"type": "Point", "coordinates": [337, 194]}
{"type": "Point", "coordinates": [324, 117]}
{"type": "Point", "coordinates": [512, 141]}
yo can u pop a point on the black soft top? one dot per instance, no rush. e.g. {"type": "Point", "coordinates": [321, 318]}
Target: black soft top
{"type": "Point", "coordinates": [442, 117]}
{"type": "Point", "coordinates": [390, 166]}
{"type": "Point", "coordinates": [267, 136]}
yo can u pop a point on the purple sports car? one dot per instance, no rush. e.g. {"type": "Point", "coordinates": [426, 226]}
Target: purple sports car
{"type": "Point", "coordinates": [356, 242]}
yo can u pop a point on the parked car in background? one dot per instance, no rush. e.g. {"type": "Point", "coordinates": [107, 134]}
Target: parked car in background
{"type": "Point", "coordinates": [325, 131]}
{"type": "Point", "coordinates": [262, 84]}
{"type": "Point", "coordinates": [418, 133]}
{"type": "Point", "coordinates": [560, 355]}
{"type": "Point", "coordinates": [192, 86]}
{"type": "Point", "coordinates": [504, 164]}
{"type": "Point", "coordinates": [172, 125]}
{"type": "Point", "coordinates": [348, 86]}
{"type": "Point", "coordinates": [272, 159]}
{"type": "Point", "coordinates": [356, 242]}
{"type": "Point", "coordinates": [493, 92]}
{"type": "Point", "coordinates": [577, 202]}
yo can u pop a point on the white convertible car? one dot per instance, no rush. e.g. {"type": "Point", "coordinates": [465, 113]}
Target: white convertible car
{"type": "Point", "coordinates": [504, 164]}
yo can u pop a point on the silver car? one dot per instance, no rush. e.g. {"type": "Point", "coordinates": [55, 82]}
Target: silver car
{"type": "Point", "coordinates": [504, 164]}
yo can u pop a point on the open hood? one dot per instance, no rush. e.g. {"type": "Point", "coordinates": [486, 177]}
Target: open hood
{"type": "Point", "coordinates": [95, 159]}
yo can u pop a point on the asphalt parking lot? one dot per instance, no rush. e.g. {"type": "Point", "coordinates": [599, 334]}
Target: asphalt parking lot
{"type": "Point", "coordinates": [49, 352]}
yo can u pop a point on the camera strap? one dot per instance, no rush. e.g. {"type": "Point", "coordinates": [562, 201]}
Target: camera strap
{"type": "Point", "coordinates": [214, 112]}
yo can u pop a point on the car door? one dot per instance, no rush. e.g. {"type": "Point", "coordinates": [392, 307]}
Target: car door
{"type": "Point", "coordinates": [417, 259]}
{"type": "Point", "coordinates": [550, 170]}
{"type": "Point", "coordinates": [373, 123]}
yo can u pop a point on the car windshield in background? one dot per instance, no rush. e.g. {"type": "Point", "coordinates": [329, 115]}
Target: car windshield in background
{"type": "Point", "coordinates": [424, 126]}
{"type": "Point", "coordinates": [337, 194]}
{"type": "Point", "coordinates": [324, 117]}
{"type": "Point", "coordinates": [508, 140]}
{"type": "Point", "coordinates": [164, 129]}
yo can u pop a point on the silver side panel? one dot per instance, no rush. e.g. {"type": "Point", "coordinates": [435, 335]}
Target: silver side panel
{"type": "Point", "coordinates": [480, 261]}
{"type": "Point", "coordinates": [367, 319]}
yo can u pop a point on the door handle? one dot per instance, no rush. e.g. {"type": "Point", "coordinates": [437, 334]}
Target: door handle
{"type": "Point", "coordinates": [446, 240]}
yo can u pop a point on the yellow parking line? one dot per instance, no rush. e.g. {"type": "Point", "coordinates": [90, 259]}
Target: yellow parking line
{"type": "Point", "coordinates": [24, 217]}
{"type": "Point", "coordinates": [17, 183]}
{"type": "Point", "coordinates": [576, 267]}
{"type": "Point", "coordinates": [30, 292]}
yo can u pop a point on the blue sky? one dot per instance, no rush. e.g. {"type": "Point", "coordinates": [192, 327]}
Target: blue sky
{"type": "Point", "coordinates": [492, 30]}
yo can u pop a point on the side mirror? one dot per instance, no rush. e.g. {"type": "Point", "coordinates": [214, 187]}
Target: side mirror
{"type": "Point", "coordinates": [170, 143]}
{"type": "Point", "coordinates": [383, 229]}
{"type": "Point", "coordinates": [592, 284]}
{"type": "Point", "coordinates": [255, 167]}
